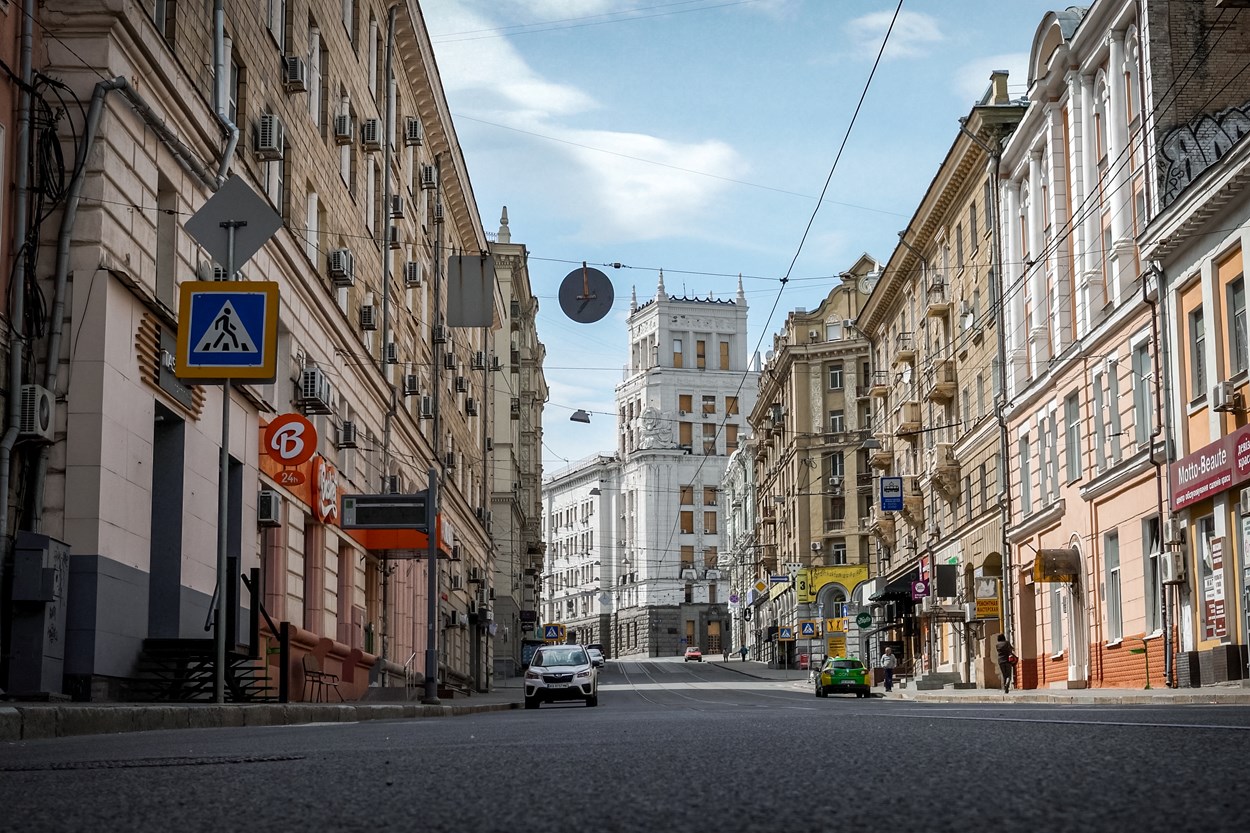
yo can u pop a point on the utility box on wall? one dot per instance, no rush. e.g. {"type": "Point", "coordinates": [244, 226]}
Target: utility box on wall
{"type": "Point", "coordinates": [40, 579]}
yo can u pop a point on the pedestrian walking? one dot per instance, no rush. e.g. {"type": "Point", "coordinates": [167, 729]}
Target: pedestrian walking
{"type": "Point", "coordinates": [743, 651]}
{"type": "Point", "coordinates": [888, 662]}
{"type": "Point", "coordinates": [726, 653]}
{"type": "Point", "coordinates": [1006, 662]}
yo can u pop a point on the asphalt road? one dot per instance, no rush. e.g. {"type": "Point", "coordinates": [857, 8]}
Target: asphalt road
{"type": "Point", "coordinates": [671, 747]}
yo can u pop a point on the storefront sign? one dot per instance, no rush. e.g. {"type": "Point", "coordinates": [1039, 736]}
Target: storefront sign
{"type": "Point", "coordinates": [986, 589]}
{"type": "Point", "coordinates": [1212, 469]}
{"type": "Point", "coordinates": [1215, 609]}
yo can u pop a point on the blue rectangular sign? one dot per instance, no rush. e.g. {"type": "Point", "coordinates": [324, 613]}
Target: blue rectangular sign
{"type": "Point", "coordinates": [892, 494]}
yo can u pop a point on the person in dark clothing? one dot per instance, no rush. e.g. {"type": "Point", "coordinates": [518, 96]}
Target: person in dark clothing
{"type": "Point", "coordinates": [1006, 664]}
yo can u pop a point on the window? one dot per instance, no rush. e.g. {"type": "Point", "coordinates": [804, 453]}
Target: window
{"type": "Point", "coordinates": [837, 421]}
{"type": "Point", "coordinates": [835, 463]}
{"type": "Point", "coordinates": [985, 487]}
{"type": "Point", "coordinates": [163, 14]}
{"type": "Point", "coordinates": [724, 355]}
{"type": "Point", "coordinates": [685, 403]}
{"type": "Point", "coordinates": [833, 330]}
{"type": "Point", "coordinates": [1056, 619]}
{"type": "Point", "coordinates": [687, 556]}
{"type": "Point", "coordinates": [972, 226]}
{"type": "Point", "coordinates": [837, 551]}
{"type": "Point", "coordinates": [709, 404]}
{"type": "Point", "coordinates": [968, 497]}
{"type": "Point", "coordinates": [709, 495]}
{"type": "Point", "coordinates": [677, 353]}
{"type": "Point", "coordinates": [1026, 485]}
{"type": "Point", "coordinates": [700, 354]}
{"type": "Point", "coordinates": [835, 376]}
{"type": "Point", "coordinates": [959, 246]}
{"type": "Point", "coordinates": [687, 522]}
{"type": "Point", "coordinates": [1143, 397]}
{"type": "Point", "coordinates": [731, 405]}
{"type": "Point", "coordinates": [314, 74]}
{"type": "Point", "coordinates": [1100, 426]}
{"type": "Point", "coordinates": [349, 19]}
{"type": "Point", "coordinates": [1043, 466]}
{"type": "Point", "coordinates": [709, 523]}
{"type": "Point", "coordinates": [731, 439]}
{"type": "Point", "coordinates": [1113, 381]}
{"type": "Point", "coordinates": [1237, 350]}
{"type": "Point", "coordinates": [1154, 580]}
{"type": "Point", "coordinates": [1111, 562]}
{"type": "Point", "coordinates": [166, 243]}
{"type": "Point", "coordinates": [1072, 438]}
{"type": "Point", "coordinates": [1197, 356]}
{"type": "Point", "coordinates": [687, 495]}
{"type": "Point", "coordinates": [709, 557]}
{"type": "Point", "coordinates": [980, 395]}
{"type": "Point", "coordinates": [275, 20]}
{"type": "Point", "coordinates": [310, 226]}
{"type": "Point", "coordinates": [709, 439]}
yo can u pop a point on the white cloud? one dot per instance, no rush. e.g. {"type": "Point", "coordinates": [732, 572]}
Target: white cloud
{"type": "Point", "coordinates": [911, 37]}
{"type": "Point", "coordinates": [972, 79]}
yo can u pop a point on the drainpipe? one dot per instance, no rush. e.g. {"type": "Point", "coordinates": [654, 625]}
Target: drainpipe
{"type": "Point", "coordinates": [1161, 428]}
{"type": "Point", "coordinates": [13, 411]}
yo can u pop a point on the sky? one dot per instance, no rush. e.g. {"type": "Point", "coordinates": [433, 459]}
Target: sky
{"type": "Point", "coordinates": [697, 137]}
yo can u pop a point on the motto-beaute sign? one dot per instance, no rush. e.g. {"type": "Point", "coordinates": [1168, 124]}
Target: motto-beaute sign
{"type": "Point", "coordinates": [1210, 470]}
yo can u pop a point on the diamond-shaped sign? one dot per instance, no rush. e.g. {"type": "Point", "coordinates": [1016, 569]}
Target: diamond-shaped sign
{"type": "Point", "coordinates": [254, 221]}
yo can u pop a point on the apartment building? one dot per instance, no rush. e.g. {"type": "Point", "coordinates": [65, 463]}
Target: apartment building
{"type": "Point", "coordinates": [1194, 250]}
{"type": "Point", "coordinates": [933, 321]}
{"type": "Point", "coordinates": [741, 554]}
{"type": "Point", "coordinates": [513, 449]}
{"type": "Point", "coordinates": [813, 484]}
{"type": "Point", "coordinates": [332, 113]}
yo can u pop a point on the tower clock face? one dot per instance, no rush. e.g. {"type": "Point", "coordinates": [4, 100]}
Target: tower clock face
{"type": "Point", "coordinates": [586, 295]}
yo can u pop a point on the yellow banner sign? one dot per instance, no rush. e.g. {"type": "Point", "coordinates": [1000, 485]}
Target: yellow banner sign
{"type": "Point", "coordinates": [837, 646]}
{"type": "Point", "coordinates": [987, 609]}
{"type": "Point", "coordinates": [839, 624]}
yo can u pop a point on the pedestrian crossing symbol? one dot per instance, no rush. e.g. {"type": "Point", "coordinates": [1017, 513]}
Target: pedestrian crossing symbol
{"type": "Point", "coordinates": [785, 633]}
{"type": "Point", "coordinates": [553, 632]}
{"type": "Point", "coordinates": [227, 330]}
{"type": "Point", "coordinates": [807, 628]}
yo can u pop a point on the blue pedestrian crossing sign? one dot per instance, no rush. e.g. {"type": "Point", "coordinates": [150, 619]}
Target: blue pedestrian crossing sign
{"type": "Point", "coordinates": [785, 633]}
{"type": "Point", "coordinates": [807, 628]}
{"type": "Point", "coordinates": [553, 632]}
{"type": "Point", "coordinates": [227, 330]}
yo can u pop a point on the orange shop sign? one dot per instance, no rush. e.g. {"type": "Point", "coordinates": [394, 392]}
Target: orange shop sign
{"type": "Point", "coordinates": [313, 482]}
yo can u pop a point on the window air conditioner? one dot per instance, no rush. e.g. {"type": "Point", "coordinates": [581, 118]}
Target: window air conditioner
{"type": "Point", "coordinates": [1172, 566]}
{"type": "Point", "coordinates": [342, 267]}
{"type": "Point", "coordinates": [343, 131]}
{"type": "Point", "coordinates": [371, 134]}
{"type": "Point", "coordinates": [461, 384]}
{"type": "Point", "coordinates": [470, 406]}
{"type": "Point", "coordinates": [412, 131]}
{"type": "Point", "coordinates": [1174, 531]}
{"type": "Point", "coordinates": [368, 319]}
{"type": "Point", "coordinates": [411, 386]}
{"type": "Point", "coordinates": [294, 74]}
{"type": "Point", "coordinates": [1224, 397]}
{"type": "Point", "coordinates": [412, 274]}
{"type": "Point", "coordinates": [450, 459]}
{"type": "Point", "coordinates": [392, 353]}
{"type": "Point", "coordinates": [347, 434]}
{"type": "Point", "coordinates": [815, 546]}
{"type": "Point", "coordinates": [394, 237]}
{"type": "Point", "coordinates": [268, 508]}
{"type": "Point", "coordinates": [440, 334]}
{"type": "Point", "coordinates": [268, 139]}
{"type": "Point", "coordinates": [397, 207]}
{"type": "Point", "coordinates": [457, 583]}
{"type": "Point", "coordinates": [427, 407]}
{"type": "Point", "coordinates": [449, 361]}
{"type": "Point", "coordinates": [479, 360]}
{"type": "Point", "coordinates": [429, 178]}
{"type": "Point", "coordinates": [37, 415]}
{"type": "Point", "coordinates": [813, 335]}
{"type": "Point", "coordinates": [438, 212]}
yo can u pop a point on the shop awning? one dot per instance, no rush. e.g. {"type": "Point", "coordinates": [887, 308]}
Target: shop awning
{"type": "Point", "coordinates": [899, 589]}
{"type": "Point", "coordinates": [1057, 565]}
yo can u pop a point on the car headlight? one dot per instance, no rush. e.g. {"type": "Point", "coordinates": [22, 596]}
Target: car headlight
{"type": "Point", "coordinates": [583, 674]}
{"type": "Point", "coordinates": [533, 675]}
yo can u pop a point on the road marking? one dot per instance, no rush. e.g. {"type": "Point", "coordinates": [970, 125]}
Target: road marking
{"type": "Point", "coordinates": [1143, 725]}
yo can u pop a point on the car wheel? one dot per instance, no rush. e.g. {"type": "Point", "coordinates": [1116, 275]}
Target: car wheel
{"type": "Point", "coordinates": [593, 700]}
{"type": "Point", "coordinates": [531, 702]}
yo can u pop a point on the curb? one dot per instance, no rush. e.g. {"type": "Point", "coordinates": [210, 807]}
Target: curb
{"type": "Point", "coordinates": [19, 723]}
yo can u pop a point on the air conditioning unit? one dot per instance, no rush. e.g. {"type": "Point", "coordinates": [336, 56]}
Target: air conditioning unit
{"type": "Point", "coordinates": [347, 434]}
{"type": "Point", "coordinates": [313, 392]}
{"type": "Point", "coordinates": [1244, 503]}
{"type": "Point", "coordinates": [470, 406]}
{"type": "Point", "coordinates": [815, 546]}
{"type": "Point", "coordinates": [392, 353]}
{"type": "Point", "coordinates": [438, 211]}
{"type": "Point", "coordinates": [970, 611]}
{"type": "Point", "coordinates": [461, 384]}
{"type": "Point", "coordinates": [341, 265]}
{"type": "Point", "coordinates": [294, 74]}
{"type": "Point", "coordinates": [429, 178]}
{"type": "Point", "coordinates": [449, 361]}
{"type": "Point", "coordinates": [397, 207]}
{"type": "Point", "coordinates": [440, 334]}
{"type": "Point", "coordinates": [455, 552]}
{"type": "Point", "coordinates": [412, 131]}
{"type": "Point", "coordinates": [689, 575]}
{"type": "Point", "coordinates": [450, 459]}
{"type": "Point", "coordinates": [343, 129]}
{"type": "Point", "coordinates": [1172, 566]}
{"type": "Point", "coordinates": [427, 407]}
{"type": "Point", "coordinates": [836, 481]}
{"type": "Point", "coordinates": [371, 134]}
{"type": "Point", "coordinates": [1174, 531]}
{"type": "Point", "coordinates": [1224, 397]}
{"type": "Point", "coordinates": [38, 414]}
{"type": "Point", "coordinates": [412, 274]}
{"type": "Point", "coordinates": [479, 360]}
{"type": "Point", "coordinates": [268, 508]}
{"type": "Point", "coordinates": [495, 363]}
{"type": "Point", "coordinates": [847, 324]}
{"type": "Point", "coordinates": [813, 335]}
{"type": "Point", "coordinates": [394, 238]}
{"type": "Point", "coordinates": [267, 141]}
{"type": "Point", "coordinates": [457, 583]}
{"type": "Point", "coordinates": [368, 319]}
{"type": "Point", "coordinates": [411, 384]}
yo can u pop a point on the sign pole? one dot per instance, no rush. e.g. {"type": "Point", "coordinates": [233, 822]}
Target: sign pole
{"type": "Point", "coordinates": [223, 500]}
{"type": "Point", "coordinates": [431, 612]}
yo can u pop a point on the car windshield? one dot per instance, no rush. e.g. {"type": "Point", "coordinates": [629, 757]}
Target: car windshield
{"type": "Point", "coordinates": [847, 663]}
{"type": "Point", "coordinates": [567, 656]}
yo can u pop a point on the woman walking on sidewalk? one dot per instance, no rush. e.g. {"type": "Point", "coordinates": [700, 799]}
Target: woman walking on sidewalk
{"type": "Point", "coordinates": [1006, 662]}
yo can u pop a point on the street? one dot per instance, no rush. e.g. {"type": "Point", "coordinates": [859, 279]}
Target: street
{"type": "Point", "coordinates": [672, 746]}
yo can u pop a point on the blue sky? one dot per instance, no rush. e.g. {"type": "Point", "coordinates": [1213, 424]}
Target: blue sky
{"type": "Point", "coordinates": [695, 137]}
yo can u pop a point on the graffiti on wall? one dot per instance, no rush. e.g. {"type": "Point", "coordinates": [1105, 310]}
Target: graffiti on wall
{"type": "Point", "coordinates": [1193, 147]}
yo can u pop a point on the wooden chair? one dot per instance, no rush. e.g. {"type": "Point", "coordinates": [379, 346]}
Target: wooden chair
{"type": "Point", "coordinates": [319, 680]}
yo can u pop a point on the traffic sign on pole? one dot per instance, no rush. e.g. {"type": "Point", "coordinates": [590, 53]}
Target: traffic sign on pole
{"type": "Point", "coordinates": [227, 330]}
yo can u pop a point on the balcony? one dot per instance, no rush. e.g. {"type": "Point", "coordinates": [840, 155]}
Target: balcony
{"type": "Point", "coordinates": [883, 457]}
{"type": "Point", "coordinates": [941, 382]}
{"type": "Point", "coordinates": [944, 469]}
{"type": "Point", "coordinates": [863, 391]}
{"type": "Point", "coordinates": [908, 418]}
{"type": "Point", "coordinates": [882, 526]}
{"type": "Point", "coordinates": [880, 383]}
{"type": "Point", "coordinates": [913, 500]}
{"type": "Point", "coordinates": [834, 525]}
{"type": "Point", "coordinates": [863, 482]}
{"type": "Point", "coordinates": [904, 348]}
{"type": "Point", "coordinates": [938, 300]}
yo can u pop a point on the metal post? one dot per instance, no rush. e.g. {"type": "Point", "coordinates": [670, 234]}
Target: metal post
{"type": "Point", "coordinates": [431, 612]}
{"type": "Point", "coordinates": [223, 499]}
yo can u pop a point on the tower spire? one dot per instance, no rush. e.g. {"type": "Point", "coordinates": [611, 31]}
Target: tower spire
{"type": "Point", "coordinates": [742, 297]}
{"type": "Point", "coordinates": [659, 289]}
{"type": "Point", "coordinates": [505, 235]}
{"type": "Point", "coordinates": [633, 300]}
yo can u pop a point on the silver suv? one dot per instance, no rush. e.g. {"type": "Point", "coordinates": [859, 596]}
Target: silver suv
{"type": "Point", "coordinates": [561, 672]}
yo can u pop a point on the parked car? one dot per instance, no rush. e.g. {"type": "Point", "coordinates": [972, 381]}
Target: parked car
{"type": "Point", "coordinates": [596, 656]}
{"type": "Point", "coordinates": [561, 672]}
{"type": "Point", "coordinates": [840, 674]}
{"type": "Point", "coordinates": [693, 653]}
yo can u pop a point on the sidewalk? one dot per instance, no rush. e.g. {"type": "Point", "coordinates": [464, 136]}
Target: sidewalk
{"type": "Point", "coordinates": [1232, 693]}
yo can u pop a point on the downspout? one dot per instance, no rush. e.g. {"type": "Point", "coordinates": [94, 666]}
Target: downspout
{"type": "Point", "coordinates": [1162, 420]}
{"type": "Point", "coordinates": [181, 153]}
{"type": "Point", "coordinates": [13, 410]}
{"type": "Point", "coordinates": [392, 406]}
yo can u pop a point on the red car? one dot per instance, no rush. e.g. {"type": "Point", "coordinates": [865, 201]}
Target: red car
{"type": "Point", "coordinates": [695, 654]}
